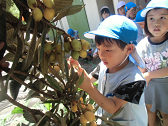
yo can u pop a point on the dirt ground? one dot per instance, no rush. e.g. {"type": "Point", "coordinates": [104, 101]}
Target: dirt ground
{"type": "Point", "coordinates": [89, 65]}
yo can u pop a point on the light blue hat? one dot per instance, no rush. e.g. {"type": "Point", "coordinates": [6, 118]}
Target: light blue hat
{"type": "Point", "coordinates": [139, 18]}
{"type": "Point", "coordinates": [129, 5]}
{"type": "Point", "coordinates": [116, 27]}
{"type": "Point", "coordinates": [119, 27]}
{"type": "Point", "coordinates": [154, 4]}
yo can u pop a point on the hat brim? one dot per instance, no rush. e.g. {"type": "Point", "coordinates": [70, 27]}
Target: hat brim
{"type": "Point", "coordinates": [136, 59]}
{"type": "Point", "coordinates": [144, 12]}
{"type": "Point", "coordinates": [138, 21]}
{"type": "Point", "coordinates": [91, 34]}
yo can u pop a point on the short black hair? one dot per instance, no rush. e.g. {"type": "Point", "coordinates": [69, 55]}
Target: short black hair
{"type": "Point", "coordinates": [106, 10]}
{"type": "Point", "coordinates": [100, 40]}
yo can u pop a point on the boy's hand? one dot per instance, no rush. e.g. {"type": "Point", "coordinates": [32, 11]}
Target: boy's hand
{"type": "Point", "coordinates": [87, 80]}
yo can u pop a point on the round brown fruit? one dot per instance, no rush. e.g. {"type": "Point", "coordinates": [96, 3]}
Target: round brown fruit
{"type": "Point", "coordinates": [75, 55]}
{"type": "Point", "coordinates": [57, 68]}
{"type": "Point", "coordinates": [89, 107]}
{"type": "Point", "coordinates": [89, 116]}
{"type": "Point", "coordinates": [32, 3]}
{"type": "Point", "coordinates": [76, 45]}
{"type": "Point", "coordinates": [85, 44]}
{"type": "Point", "coordinates": [47, 47]}
{"type": "Point", "coordinates": [49, 14]}
{"type": "Point", "coordinates": [83, 120]}
{"type": "Point", "coordinates": [48, 3]}
{"type": "Point", "coordinates": [93, 124]}
{"type": "Point", "coordinates": [83, 53]}
{"type": "Point", "coordinates": [37, 14]}
{"type": "Point", "coordinates": [74, 108]}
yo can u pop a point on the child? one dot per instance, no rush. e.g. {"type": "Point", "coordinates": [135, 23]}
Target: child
{"type": "Point", "coordinates": [105, 12]}
{"type": "Point", "coordinates": [154, 49]}
{"type": "Point", "coordinates": [121, 84]}
{"type": "Point", "coordinates": [140, 21]}
{"type": "Point", "coordinates": [120, 8]}
{"type": "Point", "coordinates": [131, 10]}
{"type": "Point", "coordinates": [73, 33]}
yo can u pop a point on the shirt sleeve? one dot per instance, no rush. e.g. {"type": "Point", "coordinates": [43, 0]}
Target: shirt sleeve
{"type": "Point", "coordinates": [131, 92]}
{"type": "Point", "coordinates": [95, 72]}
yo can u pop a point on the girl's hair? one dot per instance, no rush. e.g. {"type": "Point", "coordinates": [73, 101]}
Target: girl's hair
{"type": "Point", "coordinates": [100, 40]}
{"type": "Point", "coordinates": [106, 10]}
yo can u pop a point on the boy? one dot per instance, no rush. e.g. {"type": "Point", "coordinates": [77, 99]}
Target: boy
{"type": "Point", "coordinates": [121, 83]}
{"type": "Point", "coordinates": [131, 10]}
{"type": "Point", "coordinates": [120, 8]}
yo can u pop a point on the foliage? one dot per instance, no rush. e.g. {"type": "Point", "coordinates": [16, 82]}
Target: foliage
{"type": "Point", "coordinates": [30, 62]}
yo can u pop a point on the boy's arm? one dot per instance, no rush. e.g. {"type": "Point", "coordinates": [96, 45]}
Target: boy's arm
{"type": "Point", "coordinates": [109, 105]}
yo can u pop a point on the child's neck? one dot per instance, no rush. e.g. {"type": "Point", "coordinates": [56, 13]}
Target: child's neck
{"type": "Point", "coordinates": [158, 39]}
{"type": "Point", "coordinates": [118, 68]}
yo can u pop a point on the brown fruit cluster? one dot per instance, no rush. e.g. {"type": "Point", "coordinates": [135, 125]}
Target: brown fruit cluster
{"type": "Point", "coordinates": [87, 114]}
{"type": "Point", "coordinates": [48, 12]}
{"type": "Point", "coordinates": [53, 53]}
{"type": "Point", "coordinates": [78, 48]}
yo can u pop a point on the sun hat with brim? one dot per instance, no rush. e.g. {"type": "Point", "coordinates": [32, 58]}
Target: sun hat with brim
{"type": "Point", "coordinates": [154, 4]}
{"type": "Point", "coordinates": [71, 32]}
{"type": "Point", "coordinates": [120, 4]}
{"type": "Point", "coordinates": [129, 5]}
{"type": "Point", "coordinates": [139, 18]}
{"type": "Point", "coordinates": [119, 27]}
{"type": "Point", "coordinates": [104, 7]}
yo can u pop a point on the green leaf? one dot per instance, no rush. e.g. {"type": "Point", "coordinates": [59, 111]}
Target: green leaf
{"type": "Point", "coordinates": [17, 110]}
{"type": "Point", "coordinates": [17, 56]}
{"type": "Point", "coordinates": [43, 121]}
{"type": "Point", "coordinates": [31, 51]}
{"type": "Point", "coordinates": [79, 81]}
{"type": "Point", "coordinates": [28, 116]}
{"type": "Point", "coordinates": [54, 83]}
{"type": "Point", "coordinates": [11, 18]}
{"type": "Point", "coordinates": [55, 73]}
{"type": "Point", "coordinates": [60, 4]}
{"type": "Point", "coordinates": [3, 93]}
{"type": "Point", "coordinates": [48, 105]}
{"type": "Point", "coordinates": [42, 41]}
{"type": "Point", "coordinates": [62, 13]}
{"type": "Point", "coordinates": [66, 69]}
{"type": "Point", "coordinates": [28, 28]}
{"type": "Point", "coordinates": [75, 9]}
{"type": "Point", "coordinates": [44, 64]}
{"type": "Point", "coordinates": [14, 89]}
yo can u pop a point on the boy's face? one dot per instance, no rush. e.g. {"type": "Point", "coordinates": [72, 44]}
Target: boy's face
{"type": "Point", "coordinates": [121, 10]}
{"type": "Point", "coordinates": [111, 55]}
{"type": "Point", "coordinates": [132, 12]}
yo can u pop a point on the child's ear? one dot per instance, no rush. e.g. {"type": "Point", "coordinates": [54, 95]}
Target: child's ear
{"type": "Point", "coordinates": [129, 48]}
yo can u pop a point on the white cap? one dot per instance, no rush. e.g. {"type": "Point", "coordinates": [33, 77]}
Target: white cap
{"type": "Point", "coordinates": [120, 4]}
{"type": "Point", "coordinates": [104, 7]}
